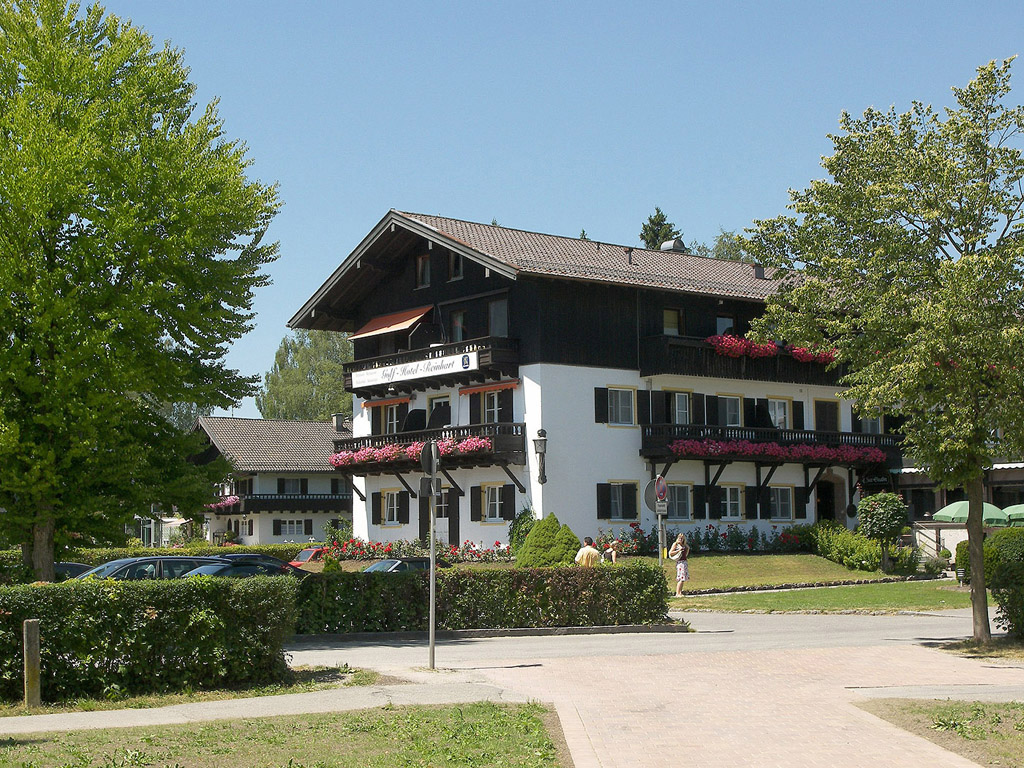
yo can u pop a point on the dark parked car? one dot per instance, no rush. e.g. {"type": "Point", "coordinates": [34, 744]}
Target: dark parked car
{"type": "Point", "coordinates": [64, 571]}
{"type": "Point", "coordinates": [155, 567]}
{"type": "Point", "coordinates": [400, 564]}
{"type": "Point", "coordinates": [237, 568]}
{"type": "Point", "coordinates": [253, 557]}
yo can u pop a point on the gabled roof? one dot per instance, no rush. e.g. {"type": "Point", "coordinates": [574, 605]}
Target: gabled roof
{"type": "Point", "coordinates": [514, 252]}
{"type": "Point", "coordinates": [272, 445]}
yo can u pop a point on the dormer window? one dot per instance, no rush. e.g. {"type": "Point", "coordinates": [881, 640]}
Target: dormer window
{"type": "Point", "coordinates": [454, 266]}
{"type": "Point", "coordinates": [423, 270]}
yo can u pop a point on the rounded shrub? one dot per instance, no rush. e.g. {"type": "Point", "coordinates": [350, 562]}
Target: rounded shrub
{"type": "Point", "coordinates": [538, 551]}
{"type": "Point", "coordinates": [567, 544]}
{"type": "Point", "coordinates": [519, 529]}
{"type": "Point", "coordinates": [883, 516]}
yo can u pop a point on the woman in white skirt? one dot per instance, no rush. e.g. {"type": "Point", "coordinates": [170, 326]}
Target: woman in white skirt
{"type": "Point", "coordinates": [679, 552]}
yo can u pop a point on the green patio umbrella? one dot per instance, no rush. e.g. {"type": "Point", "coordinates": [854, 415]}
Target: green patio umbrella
{"type": "Point", "coordinates": [957, 513]}
{"type": "Point", "coordinates": [1015, 515]}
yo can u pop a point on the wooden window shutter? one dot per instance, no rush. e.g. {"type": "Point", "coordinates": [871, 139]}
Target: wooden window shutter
{"type": "Point", "coordinates": [660, 407]}
{"type": "Point", "coordinates": [800, 503]}
{"type": "Point", "coordinates": [714, 502]}
{"type": "Point", "coordinates": [600, 405]}
{"type": "Point", "coordinates": [711, 410]}
{"type": "Point", "coordinates": [375, 421]}
{"type": "Point", "coordinates": [335, 486]}
{"type": "Point", "coordinates": [604, 501]}
{"type": "Point", "coordinates": [629, 510]}
{"type": "Point", "coordinates": [750, 502]}
{"type": "Point", "coordinates": [697, 408]}
{"type": "Point", "coordinates": [643, 407]}
{"type": "Point", "coordinates": [403, 413]}
{"type": "Point", "coordinates": [766, 507]}
{"type": "Point", "coordinates": [375, 508]}
{"type": "Point", "coordinates": [856, 425]}
{"type": "Point", "coordinates": [424, 517]}
{"type": "Point", "coordinates": [505, 409]}
{"type": "Point", "coordinates": [699, 498]}
{"type": "Point", "coordinates": [307, 527]}
{"type": "Point", "coordinates": [403, 507]}
{"type": "Point", "coordinates": [304, 486]}
{"type": "Point", "coordinates": [508, 502]}
{"type": "Point", "coordinates": [762, 416]}
{"type": "Point", "coordinates": [277, 527]}
{"type": "Point", "coordinates": [798, 415]}
{"type": "Point", "coordinates": [280, 485]}
{"type": "Point", "coordinates": [750, 412]}
{"type": "Point", "coordinates": [476, 503]}
{"type": "Point", "coordinates": [476, 412]}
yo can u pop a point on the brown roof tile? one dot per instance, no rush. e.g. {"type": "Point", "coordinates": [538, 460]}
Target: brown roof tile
{"type": "Point", "coordinates": [271, 445]}
{"type": "Point", "coordinates": [568, 257]}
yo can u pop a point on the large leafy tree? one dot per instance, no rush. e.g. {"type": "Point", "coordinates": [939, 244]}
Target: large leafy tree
{"type": "Point", "coordinates": [657, 229]}
{"type": "Point", "coordinates": [307, 380]}
{"type": "Point", "coordinates": [130, 246]}
{"type": "Point", "coordinates": [909, 260]}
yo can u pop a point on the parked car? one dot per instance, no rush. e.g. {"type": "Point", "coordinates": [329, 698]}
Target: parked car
{"type": "Point", "coordinates": [400, 564]}
{"type": "Point", "coordinates": [237, 568]}
{"type": "Point", "coordinates": [254, 557]}
{"type": "Point", "coordinates": [154, 567]}
{"type": "Point", "coordinates": [64, 571]}
{"type": "Point", "coordinates": [309, 555]}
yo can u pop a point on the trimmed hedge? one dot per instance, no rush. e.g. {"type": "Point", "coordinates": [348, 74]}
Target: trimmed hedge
{"type": "Point", "coordinates": [1007, 585]}
{"type": "Point", "coordinates": [632, 593]}
{"type": "Point", "coordinates": [1005, 545]}
{"type": "Point", "coordinates": [112, 638]}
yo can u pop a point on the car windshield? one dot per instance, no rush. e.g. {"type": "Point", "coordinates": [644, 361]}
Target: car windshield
{"type": "Point", "coordinates": [304, 555]}
{"type": "Point", "coordinates": [206, 570]}
{"type": "Point", "coordinates": [101, 571]}
{"type": "Point", "coordinates": [383, 565]}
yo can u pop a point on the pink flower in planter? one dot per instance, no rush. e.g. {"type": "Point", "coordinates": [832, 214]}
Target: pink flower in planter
{"type": "Point", "coordinates": [413, 450]}
{"type": "Point", "coordinates": [473, 444]}
{"type": "Point", "coordinates": [446, 447]}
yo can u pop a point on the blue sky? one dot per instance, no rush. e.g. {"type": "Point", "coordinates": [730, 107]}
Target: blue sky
{"type": "Point", "coordinates": [547, 116]}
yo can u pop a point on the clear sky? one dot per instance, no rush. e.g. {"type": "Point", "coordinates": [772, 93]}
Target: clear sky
{"type": "Point", "coordinates": [548, 116]}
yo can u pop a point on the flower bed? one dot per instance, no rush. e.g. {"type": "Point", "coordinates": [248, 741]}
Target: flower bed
{"type": "Point", "coordinates": [467, 552]}
{"type": "Point", "coordinates": [410, 451]}
{"type": "Point", "coordinates": [842, 454]}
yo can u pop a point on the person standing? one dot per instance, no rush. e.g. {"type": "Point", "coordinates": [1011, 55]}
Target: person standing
{"type": "Point", "coordinates": [680, 552]}
{"type": "Point", "coordinates": [588, 556]}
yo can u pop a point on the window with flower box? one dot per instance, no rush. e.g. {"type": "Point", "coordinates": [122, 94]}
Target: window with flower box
{"type": "Point", "coordinates": [778, 412]}
{"type": "Point", "coordinates": [392, 419]}
{"type": "Point", "coordinates": [780, 502]}
{"type": "Point", "coordinates": [492, 407]}
{"type": "Point", "coordinates": [730, 409]}
{"type": "Point", "coordinates": [680, 407]}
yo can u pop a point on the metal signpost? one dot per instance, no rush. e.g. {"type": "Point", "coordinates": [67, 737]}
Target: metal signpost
{"type": "Point", "coordinates": [656, 499]}
{"type": "Point", "coordinates": [430, 457]}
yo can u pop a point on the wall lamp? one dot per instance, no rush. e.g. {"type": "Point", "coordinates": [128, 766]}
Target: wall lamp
{"type": "Point", "coordinates": [540, 446]}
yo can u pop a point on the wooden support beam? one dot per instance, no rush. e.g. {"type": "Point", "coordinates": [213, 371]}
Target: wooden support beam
{"type": "Point", "coordinates": [513, 478]}
{"type": "Point", "coordinates": [711, 482]}
{"type": "Point", "coordinates": [412, 493]}
{"type": "Point", "coordinates": [809, 486]}
{"type": "Point", "coordinates": [458, 490]}
{"type": "Point", "coordinates": [353, 489]}
{"type": "Point", "coordinates": [762, 485]}
{"type": "Point", "coordinates": [668, 466]}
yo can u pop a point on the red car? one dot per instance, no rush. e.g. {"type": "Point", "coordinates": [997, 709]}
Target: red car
{"type": "Point", "coordinates": [309, 555]}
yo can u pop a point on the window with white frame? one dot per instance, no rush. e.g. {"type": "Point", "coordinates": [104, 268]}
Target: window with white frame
{"type": "Point", "coordinates": [732, 502]}
{"type": "Point", "coordinates": [618, 501]}
{"type": "Point", "coordinates": [391, 508]}
{"type": "Point", "coordinates": [290, 485]}
{"type": "Point", "coordinates": [778, 412]}
{"type": "Point", "coordinates": [438, 401]}
{"type": "Point", "coordinates": [681, 408]}
{"type": "Point", "coordinates": [678, 501]}
{"type": "Point", "coordinates": [391, 414]}
{"type": "Point", "coordinates": [780, 503]}
{"type": "Point", "coordinates": [871, 425]}
{"type": "Point", "coordinates": [491, 407]}
{"type": "Point", "coordinates": [493, 503]}
{"type": "Point", "coordinates": [292, 527]}
{"type": "Point", "coordinates": [441, 504]}
{"type": "Point", "coordinates": [620, 406]}
{"type": "Point", "coordinates": [731, 409]}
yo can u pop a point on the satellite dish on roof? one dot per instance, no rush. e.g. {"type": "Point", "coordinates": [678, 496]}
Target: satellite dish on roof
{"type": "Point", "coordinates": [675, 244]}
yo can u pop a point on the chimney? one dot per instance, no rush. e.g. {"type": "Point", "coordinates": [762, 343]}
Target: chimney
{"type": "Point", "coordinates": [339, 422]}
{"type": "Point", "coordinates": [759, 272]}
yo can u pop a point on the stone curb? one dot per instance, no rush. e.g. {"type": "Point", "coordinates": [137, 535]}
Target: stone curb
{"type": "Point", "coordinates": [297, 641]}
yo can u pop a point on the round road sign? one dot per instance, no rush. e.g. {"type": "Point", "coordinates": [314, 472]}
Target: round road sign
{"type": "Point", "coordinates": [660, 488]}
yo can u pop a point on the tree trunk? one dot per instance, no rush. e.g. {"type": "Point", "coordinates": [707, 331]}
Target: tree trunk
{"type": "Point", "coordinates": [975, 533]}
{"type": "Point", "coordinates": [42, 549]}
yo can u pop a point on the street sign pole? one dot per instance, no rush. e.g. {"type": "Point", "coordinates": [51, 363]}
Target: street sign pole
{"type": "Point", "coordinates": [430, 457]}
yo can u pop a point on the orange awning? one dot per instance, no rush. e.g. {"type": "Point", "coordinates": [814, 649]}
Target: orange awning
{"type": "Point", "coordinates": [399, 321]}
{"type": "Point", "coordinates": [490, 387]}
{"type": "Point", "coordinates": [382, 403]}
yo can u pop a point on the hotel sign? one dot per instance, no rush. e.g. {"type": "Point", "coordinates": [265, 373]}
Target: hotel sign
{"type": "Point", "coordinates": [437, 366]}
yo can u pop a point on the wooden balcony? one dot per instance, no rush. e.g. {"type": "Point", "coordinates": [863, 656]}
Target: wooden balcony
{"type": "Point", "coordinates": [687, 356]}
{"type": "Point", "coordinates": [656, 439]}
{"type": "Point", "coordinates": [289, 502]}
{"type": "Point", "coordinates": [489, 357]}
{"type": "Point", "coordinates": [508, 446]}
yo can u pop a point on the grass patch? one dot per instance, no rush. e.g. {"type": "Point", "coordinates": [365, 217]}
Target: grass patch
{"type": "Point", "coordinates": [987, 733]}
{"type": "Point", "coordinates": [481, 734]}
{"type": "Point", "coordinates": [889, 597]}
{"type": "Point", "coordinates": [300, 680]}
{"type": "Point", "coordinates": [717, 571]}
{"type": "Point", "coordinates": [997, 648]}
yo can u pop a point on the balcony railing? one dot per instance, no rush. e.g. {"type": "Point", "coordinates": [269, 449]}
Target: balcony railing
{"type": "Point", "coordinates": [289, 502]}
{"type": "Point", "coordinates": [687, 356]}
{"type": "Point", "coordinates": [656, 439]}
{"type": "Point", "coordinates": [495, 355]}
{"type": "Point", "coordinates": [508, 445]}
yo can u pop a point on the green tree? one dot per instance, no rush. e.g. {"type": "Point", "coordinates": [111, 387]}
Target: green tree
{"type": "Point", "coordinates": [130, 246]}
{"type": "Point", "coordinates": [567, 544]}
{"type": "Point", "coordinates": [909, 261]}
{"type": "Point", "coordinates": [657, 229]}
{"type": "Point", "coordinates": [307, 381]}
{"type": "Point", "coordinates": [540, 548]}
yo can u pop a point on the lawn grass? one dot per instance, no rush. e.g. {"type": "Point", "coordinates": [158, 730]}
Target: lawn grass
{"type": "Point", "coordinates": [984, 732]}
{"type": "Point", "coordinates": [480, 734]}
{"type": "Point", "coordinates": [301, 680]}
{"type": "Point", "coordinates": [719, 571]}
{"type": "Point", "coordinates": [890, 597]}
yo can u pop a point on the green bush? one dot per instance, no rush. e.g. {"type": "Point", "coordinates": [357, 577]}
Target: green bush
{"type": "Point", "coordinates": [840, 545]}
{"type": "Point", "coordinates": [903, 560]}
{"type": "Point", "coordinates": [539, 549]}
{"type": "Point", "coordinates": [882, 516]}
{"type": "Point", "coordinates": [478, 599]}
{"type": "Point", "coordinates": [1005, 545]}
{"type": "Point", "coordinates": [519, 529]}
{"type": "Point", "coordinates": [567, 544]}
{"type": "Point", "coordinates": [128, 637]}
{"type": "Point", "coordinates": [1007, 585]}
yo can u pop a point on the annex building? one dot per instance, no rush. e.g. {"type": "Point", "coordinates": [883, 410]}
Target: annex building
{"type": "Point", "coordinates": [562, 375]}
